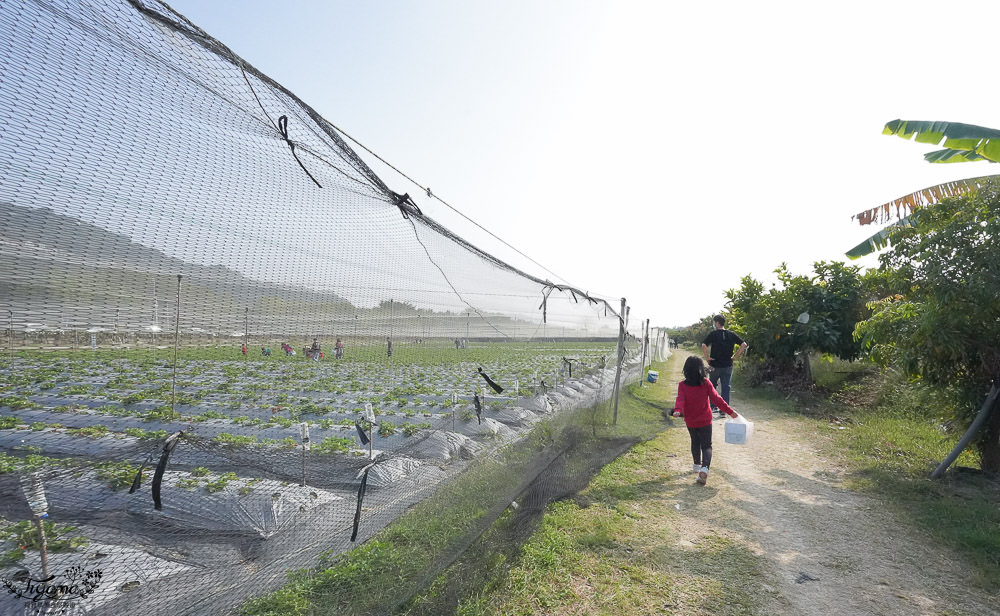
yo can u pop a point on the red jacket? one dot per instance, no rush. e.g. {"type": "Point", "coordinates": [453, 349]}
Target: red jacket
{"type": "Point", "coordinates": [692, 403]}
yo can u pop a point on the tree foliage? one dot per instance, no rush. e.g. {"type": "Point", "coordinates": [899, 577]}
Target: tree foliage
{"type": "Point", "coordinates": [801, 313]}
{"type": "Point", "coordinates": [691, 334]}
{"type": "Point", "coordinates": [942, 323]}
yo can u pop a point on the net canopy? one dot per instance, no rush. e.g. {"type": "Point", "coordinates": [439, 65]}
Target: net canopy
{"type": "Point", "coordinates": [232, 350]}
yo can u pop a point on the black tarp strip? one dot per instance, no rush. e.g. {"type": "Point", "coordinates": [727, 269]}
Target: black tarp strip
{"type": "Point", "coordinates": [490, 381]}
{"type": "Point", "coordinates": [361, 433]}
{"type": "Point", "coordinates": [357, 511]}
{"type": "Point", "coordinates": [138, 476]}
{"type": "Point", "coordinates": [168, 448]}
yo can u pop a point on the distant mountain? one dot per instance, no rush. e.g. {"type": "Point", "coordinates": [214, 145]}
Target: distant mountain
{"type": "Point", "coordinates": [58, 271]}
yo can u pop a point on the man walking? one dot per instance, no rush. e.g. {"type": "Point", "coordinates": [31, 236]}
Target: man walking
{"type": "Point", "coordinates": [718, 351]}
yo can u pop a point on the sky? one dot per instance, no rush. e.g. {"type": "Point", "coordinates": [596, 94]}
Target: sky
{"type": "Point", "coordinates": [653, 150]}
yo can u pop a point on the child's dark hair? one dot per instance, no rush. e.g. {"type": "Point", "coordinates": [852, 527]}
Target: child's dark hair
{"type": "Point", "coordinates": [694, 370]}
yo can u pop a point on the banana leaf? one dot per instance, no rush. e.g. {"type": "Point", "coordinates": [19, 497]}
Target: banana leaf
{"type": "Point", "coordinates": [905, 205]}
{"type": "Point", "coordinates": [876, 242]}
{"type": "Point", "coordinates": [981, 141]}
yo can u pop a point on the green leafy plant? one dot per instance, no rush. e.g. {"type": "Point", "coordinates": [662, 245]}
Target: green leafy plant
{"type": "Point", "coordinates": [25, 535]}
{"type": "Point", "coordinates": [234, 440]}
{"type": "Point", "coordinates": [220, 484]}
{"type": "Point", "coordinates": [95, 431]}
{"type": "Point", "coordinates": [118, 474]}
{"type": "Point", "coordinates": [334, 444]}
{"type": "Point", "coordinates": [17, 403]}
{"type": "Point", "coordinates": [133, 398]}
{"type": "Point", "coordinates": [146, 435]}
{"type": "Point", "coordinates": [409, 429]}
{"type": "Point", "coordinates": [386, 429]}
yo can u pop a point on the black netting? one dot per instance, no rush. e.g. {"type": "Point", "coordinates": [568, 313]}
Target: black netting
{"type": "Point", "coordinates": [231, 351]}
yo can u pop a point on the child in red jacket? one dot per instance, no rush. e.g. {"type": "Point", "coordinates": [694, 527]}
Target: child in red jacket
{"type": "Point", "coordinates": [693, 396]}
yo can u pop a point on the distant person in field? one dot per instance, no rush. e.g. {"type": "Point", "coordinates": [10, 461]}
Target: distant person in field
{"type": "Point", "coordinates": [243, 348]}
{"type": "Point", "coordinates": [314, 350]}
{"type": "Point", "coordinates": [388, 346]}
{"type": "Point", "coordinates": [718, 351]}
{"type": "Point", "coordinates": [693, 396]}
{"type": "Point", "coordinates": [338, 349]}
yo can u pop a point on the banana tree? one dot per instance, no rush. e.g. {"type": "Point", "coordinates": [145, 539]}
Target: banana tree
{"type": "Point", "coordinates": [962, 143]}
{"type": "Point", "coordinates": [942, 238]}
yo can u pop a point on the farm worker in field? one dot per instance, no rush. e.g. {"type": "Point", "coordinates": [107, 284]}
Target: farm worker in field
{"type": "Point", "coordinates": [243, 348]}
{"type": "Point", "coordinates": [314, 350]}
{"type": "Point", "coordinates": [693, 396]}
{"type": "Point", "coordinates": [388, 346]}
{"type": "Point", "coordinates": [338, 349]}
{"type": "Point", "coordinates": [718, 351]}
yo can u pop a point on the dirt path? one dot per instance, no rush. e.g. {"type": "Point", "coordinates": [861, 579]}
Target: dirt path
{"type": "Point", "coordinates": [831, 551]}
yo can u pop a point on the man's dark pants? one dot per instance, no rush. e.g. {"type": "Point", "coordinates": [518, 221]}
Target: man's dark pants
{"type": "Point", "coordinates": [723, 375]}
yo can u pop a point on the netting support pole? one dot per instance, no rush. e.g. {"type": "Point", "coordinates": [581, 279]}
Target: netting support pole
{"type": "Point", "coordinates": [304, 426]}
{"type": "Point", "coordinates": [648, 351]}
{"type": "Point", "coordinates": [645, 345]}
{"type": "Point", "coordinates": [177, 332]}
{"type": "Point", "coordinates": [621, 359]}
{"type": "Point", "coordinates": [43, 547]}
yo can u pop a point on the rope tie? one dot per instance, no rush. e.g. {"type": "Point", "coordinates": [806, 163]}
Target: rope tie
{"type": "Point", "coordinates": [283, 129]}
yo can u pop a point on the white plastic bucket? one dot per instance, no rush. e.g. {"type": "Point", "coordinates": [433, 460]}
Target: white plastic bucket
{"type": "Point", "coordinates": [738, 430]}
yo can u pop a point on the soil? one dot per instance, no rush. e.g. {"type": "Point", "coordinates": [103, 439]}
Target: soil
{"type": "Point", "coordinates": [828, 550]}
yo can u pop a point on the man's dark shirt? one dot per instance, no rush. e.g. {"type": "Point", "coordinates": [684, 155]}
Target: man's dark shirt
{"type": "Point", "coordinates": [720, 343]}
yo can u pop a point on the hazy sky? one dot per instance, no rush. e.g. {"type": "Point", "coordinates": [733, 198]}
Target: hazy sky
{"type": "Point", "coordinates": [658, 151]}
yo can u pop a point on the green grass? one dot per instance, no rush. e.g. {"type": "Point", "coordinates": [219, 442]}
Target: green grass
{"type": "Point", "coordinates": [892, 454]}
{"type": "Point", "coordinates": [615, 548]}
